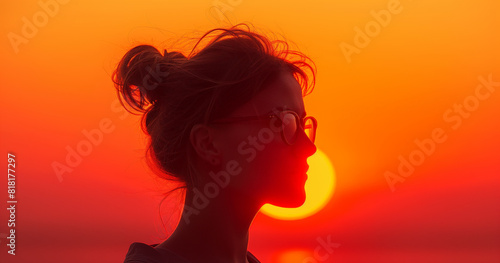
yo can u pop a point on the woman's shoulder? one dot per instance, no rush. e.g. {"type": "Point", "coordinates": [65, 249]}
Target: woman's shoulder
{"type": "Point", "coordinates": [143, 253]}
{"type": "Point", "coordinates": [252, 258]}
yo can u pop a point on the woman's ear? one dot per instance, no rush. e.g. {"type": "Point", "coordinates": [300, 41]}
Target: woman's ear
{"type": "Point", "coordinates": [202, 140]}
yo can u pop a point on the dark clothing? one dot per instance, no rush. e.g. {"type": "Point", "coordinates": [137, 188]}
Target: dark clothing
{"type": "Point", "coordinates": [143, 253]}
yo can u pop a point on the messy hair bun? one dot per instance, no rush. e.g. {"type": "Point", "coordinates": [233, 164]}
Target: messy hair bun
{"type": "Point", "coordinates": [175, 92]}
{"type": "Point", "coordinates": [141, 74]}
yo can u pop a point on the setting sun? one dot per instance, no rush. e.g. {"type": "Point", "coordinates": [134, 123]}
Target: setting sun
{"type": "Point", "coordinates": [319, 188]}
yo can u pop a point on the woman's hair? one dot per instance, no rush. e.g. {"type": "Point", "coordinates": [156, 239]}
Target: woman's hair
{"type": "Point", "coordinates": [175, 92]}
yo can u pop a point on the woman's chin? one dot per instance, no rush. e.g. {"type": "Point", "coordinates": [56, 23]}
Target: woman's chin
{"type": "Point", "coordinates": [291, 201]}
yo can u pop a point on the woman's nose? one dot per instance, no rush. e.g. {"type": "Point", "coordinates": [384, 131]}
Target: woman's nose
{"type": "Point", "coordinates": [306, 146]}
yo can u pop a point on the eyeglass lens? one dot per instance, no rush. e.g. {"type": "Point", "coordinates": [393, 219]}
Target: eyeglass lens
{"type": "Point", "coordinates": [290, 126]}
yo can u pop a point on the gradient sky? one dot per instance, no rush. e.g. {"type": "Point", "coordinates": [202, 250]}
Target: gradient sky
{"type": "Point", "coordinates": [383, 83]}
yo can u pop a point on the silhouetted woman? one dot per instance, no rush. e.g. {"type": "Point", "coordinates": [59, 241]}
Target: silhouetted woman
{"type": "Point", "coordinates": [229, 123]}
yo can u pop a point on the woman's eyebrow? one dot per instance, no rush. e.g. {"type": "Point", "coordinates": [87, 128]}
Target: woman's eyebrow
{"type": "Point", "coordinates": [303, 115]}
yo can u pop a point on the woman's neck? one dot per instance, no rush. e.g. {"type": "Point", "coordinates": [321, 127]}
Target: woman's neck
{"type": "Point", "coordinates": [213, 231]}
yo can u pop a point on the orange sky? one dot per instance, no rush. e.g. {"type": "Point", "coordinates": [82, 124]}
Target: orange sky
{"type": "Point", "coordinates": [389, 73]}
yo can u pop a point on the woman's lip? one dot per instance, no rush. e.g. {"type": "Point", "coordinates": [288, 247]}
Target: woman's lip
{"type": "Point", "coordinates": [306, 168]}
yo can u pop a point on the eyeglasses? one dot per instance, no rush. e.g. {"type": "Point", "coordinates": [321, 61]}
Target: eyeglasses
{"type": "Point", "coordinates": [288, 123]}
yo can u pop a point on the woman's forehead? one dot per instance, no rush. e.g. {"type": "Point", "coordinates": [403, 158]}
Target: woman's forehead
{"type": "Point", "coordinates": [284, 93]}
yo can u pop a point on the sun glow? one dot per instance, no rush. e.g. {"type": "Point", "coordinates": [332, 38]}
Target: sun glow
{"type": "Point", "coordinates": [319, 188]}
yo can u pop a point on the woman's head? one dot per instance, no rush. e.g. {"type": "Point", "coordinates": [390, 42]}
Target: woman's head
{"type": "Point", "coordinates": [238, 73]}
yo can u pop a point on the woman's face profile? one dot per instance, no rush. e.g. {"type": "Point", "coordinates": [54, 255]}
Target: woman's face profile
{"type": "Point", "coordinates": [271, 170]}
